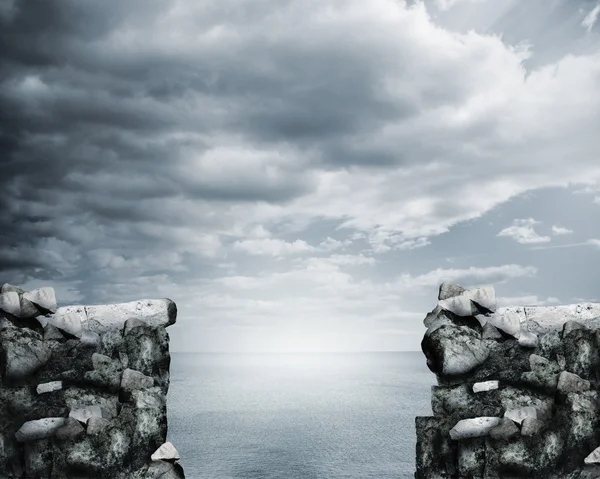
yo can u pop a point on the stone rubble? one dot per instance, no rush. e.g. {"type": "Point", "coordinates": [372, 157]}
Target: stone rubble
{"type": "Point", "coordinates": [83, 388]}
{"type": "Point", "coordinates": [518, 391]}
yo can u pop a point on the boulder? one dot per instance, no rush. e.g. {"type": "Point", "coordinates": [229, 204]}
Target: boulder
{"type": "Point", "coordinates": [52, 333]}
{"type": "Point", "coordinates": [593, 457]}
{"type": "Point", "coordinates": [24, 355]}
{"type": "Point", "coordinates": [152, 312]}
{"type": "Point", "coordinates": [10, 303]}
{"type": "Point", "coordinates": [6, 288]}
{"type": "Point", "coordinates": [509, 322]}
{"type": "Point", "coordinates": [133, 380]}
{"type": "Point", "coordinates": [95, 425]}
{"type": "Point", "coordinates": [165, 470]}
{"type": "Point", "coordinates": [68, 319]}
{"type": "Point", "coordinates": [83, 414]}
{"type": "Point", "coordinates": [449, 290]}
{"type": "Point", "coordinates": [166, 452]}
{"type": "Point", "coordinates": [531, 426]}
{"type": "Point", "coordinates": [71, 429]}
{"type": "Point", "coordinates": [490, 332]}
{"type": "Point", "coordinates": [454, 350]}
{"type": "Point", "coordinates": [572, 383]}
{"type": "Point", "coordinates": [474, 427]}
{"type": "Point", "coordinates": [505, 430]}
{"type": "Point", "coordinates": [43, 298]}
{"type": "Point", "coordinates": [528, 339]}
{"type": "Point", "coordinates": [39, 429]}
{"type": "Point", "coordinates": [517, 415]}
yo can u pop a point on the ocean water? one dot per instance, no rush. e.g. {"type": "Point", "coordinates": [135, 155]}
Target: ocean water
{"type": "Point", "coordinates": [297, 416]}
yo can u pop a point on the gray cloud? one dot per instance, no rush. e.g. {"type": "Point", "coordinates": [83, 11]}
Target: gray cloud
{"type": "Point", "coordinates": [145, 143]}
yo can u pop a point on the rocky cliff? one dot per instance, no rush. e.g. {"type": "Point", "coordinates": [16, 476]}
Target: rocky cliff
{"type": "Point", "coordinates": [83, 388]}
{"type": "Point", "coordinates": [517, 390]}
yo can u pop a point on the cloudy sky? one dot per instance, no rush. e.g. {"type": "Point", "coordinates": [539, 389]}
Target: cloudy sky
{"type": "Point", "coordinates": [300, 175]}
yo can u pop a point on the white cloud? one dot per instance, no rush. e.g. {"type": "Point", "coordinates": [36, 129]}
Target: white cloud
{"type": "Point", "coordinates": [596, 200]}
{"type": "Point", "coordinates": [448, 4]}
{"type": "Point", "coordinates": [531, 300]}
{"type": "Point", "coordinates": [558, 230]}
{"type": "Point", "coordinates": [590, 19]}
{"type": "Point", "coordinates": [522, 231]}
{"type": "Point", "coordinates": [272, 247]}
{"type": "Point", "coordinates": [594, 242]}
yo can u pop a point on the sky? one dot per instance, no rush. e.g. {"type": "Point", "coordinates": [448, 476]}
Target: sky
{"type": "Point", "coordinates": [300, 175]}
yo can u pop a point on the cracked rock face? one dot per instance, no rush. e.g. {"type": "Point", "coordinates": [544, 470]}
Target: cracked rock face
{"type": "Point", "coordinates": [81, 394]}
{"type": "Point", "coordinates": [518, 391]}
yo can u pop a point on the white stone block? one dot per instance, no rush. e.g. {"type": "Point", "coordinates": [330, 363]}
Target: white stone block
{"type": "Point", "coordinates": [42, 297]}
{"type": "Point", "coordinates": [485, 386]}
{"type": "Point", "coordinates": [517, 415]}
{"type": "Point", "coordinates": [84, 413]}
{"type": "Point", "coordinates": [9, 303]}
{"type": "Point", "coordinates": [68, 318]}
{"type": "Point", "coordinates": [49, 387]}
{"type": "Point", "coordinates": [166, 452]}
{"type": "Point", "coordinates": [544, 319]}
{"type": "Point", "coordinates": [39, 429]}
{"type": "Point", "coordinates": [153, 312]}
{"type": "Point", "coordinates": [475, 427]}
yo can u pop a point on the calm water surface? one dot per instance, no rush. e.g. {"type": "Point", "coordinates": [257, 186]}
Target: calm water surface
{"type": "Point", "coordinates": [269, 416]}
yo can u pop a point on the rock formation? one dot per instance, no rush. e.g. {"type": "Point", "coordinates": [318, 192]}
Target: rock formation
{"type": "Point", "coordinates": [83, 389]}
{"type": "Point", "coordinates": [518, 389]}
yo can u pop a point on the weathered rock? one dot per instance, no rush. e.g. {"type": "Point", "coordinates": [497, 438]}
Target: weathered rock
{"type": "Point", "coordinates": [543, 319]}
{"type": "Point", "coordinates": [68, 319]}
{"type": "Point", "coordinates": [528, 339]}
{"type": "Point", "coordinates": [49, 387]}
{"type": "Point", "coordinates": [572, 383]}
{"type": "Point", "coordinates": [90, 338]}
{"type": "Point", "coordinates": [133, 380]}
{"type": "Point", "coordinates": [571, 326]}
{"type": "Point", "coordinates": [508, 321]}
{"type": "Point", "coordinates": [65, 366]}
{"type": "Point", "coordinates": [490, 332]}
{"type": "Point", "coordinates": [431, 316]}
{"type": "Point", "coordinates": [72, 429]}
{"type": "Point", "coordinates": [454, 350]}
{"type": "Point", "coordinates": [95, 425]}
{"type": "Point", "coordinates": [593, 457]}
{"type": "Point", "coordinates": [153, 312]}
{"type": "Point", "coordinates": [83, 414]}
{"type": "Point", "coordinates": [6, 288]}
{"type": "Point", "coordinates": [51, 332]}
{"type": "Point", "coordinates": [165, 470]}
{"type": "Point", "coordinates": [43, 298]}
{"type": "Point", "coordinates": [27, 308]}
{"type": "Point", "coordinates": [553, 394]}
{"type": "Point", "coordinates": [449, 290]}
{"type": "Point", "coordinates": [24, 353]}
{"type": "Point", "coordinates": [485, 386]}
{"type": "Point", "coordinates": [506, 429]}
{"type": "Point", "coordinates": [9, 303]}
{"type": "Point", "coordinates": [474, 427]}
{"type": "Point", "coordinates": [166, 452]}
{"type": "Point", "coordinates": [531, 426]}
{"type": "Point", "coordinates": [517, 415]}
{"type": "Point", "coordinates": [39, 429]}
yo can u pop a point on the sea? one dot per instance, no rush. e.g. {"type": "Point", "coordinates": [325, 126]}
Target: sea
{"type": "Point", "coordinates": [297, 416]}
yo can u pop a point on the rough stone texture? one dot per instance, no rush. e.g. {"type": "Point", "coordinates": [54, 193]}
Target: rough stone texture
{"type": "Point", "coordinates": [63, 411]}
{"type": "Point", "coordinates": [518, 389]}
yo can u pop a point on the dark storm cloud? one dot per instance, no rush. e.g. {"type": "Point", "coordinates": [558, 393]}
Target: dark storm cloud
{"type": "Point", "coordinates": [85, 125]}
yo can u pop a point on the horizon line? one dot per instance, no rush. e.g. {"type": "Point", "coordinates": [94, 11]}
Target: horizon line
{"type": "Point", "coordinates": [294, 352]}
